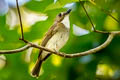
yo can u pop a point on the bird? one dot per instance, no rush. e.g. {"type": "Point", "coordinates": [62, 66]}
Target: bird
{"type": "Point", "coordinates": [56, 37]}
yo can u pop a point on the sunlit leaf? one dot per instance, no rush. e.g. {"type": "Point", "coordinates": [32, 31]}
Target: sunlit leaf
{"type": "Point", "coordinates": [110, 23]}
{"type": "Point", "coordinates": [105, 70]}
{"type": "Point", "coordinates": [56, 60]}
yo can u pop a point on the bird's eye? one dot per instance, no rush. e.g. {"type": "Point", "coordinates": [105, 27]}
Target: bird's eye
{"type": "Point", "coordinates": [60, 15]}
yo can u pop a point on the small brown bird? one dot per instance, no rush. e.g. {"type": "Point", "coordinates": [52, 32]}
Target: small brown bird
{"type": "Point", "coordinates": [55, 39]}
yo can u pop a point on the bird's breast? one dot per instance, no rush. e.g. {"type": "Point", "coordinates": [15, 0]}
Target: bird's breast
{"type": "Point", "coordinates": [59, 39]}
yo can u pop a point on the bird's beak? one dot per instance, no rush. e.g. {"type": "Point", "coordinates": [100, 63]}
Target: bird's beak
{"type": "Point", "coordinates": [67, 12]}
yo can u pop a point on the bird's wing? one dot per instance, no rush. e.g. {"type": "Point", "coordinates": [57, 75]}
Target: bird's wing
{"type": "Point", "coordinates": [48, 36]}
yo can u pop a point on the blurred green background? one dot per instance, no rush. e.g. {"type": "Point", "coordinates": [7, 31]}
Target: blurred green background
{"type": "Point", "coordinates": [104, 65]}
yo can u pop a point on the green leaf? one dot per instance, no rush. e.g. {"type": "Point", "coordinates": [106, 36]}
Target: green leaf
{"type": "Point", "coordinates": [38, 6]}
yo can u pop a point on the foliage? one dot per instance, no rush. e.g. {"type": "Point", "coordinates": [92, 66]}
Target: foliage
{"type": "Point", "coordinates": [57, 68]}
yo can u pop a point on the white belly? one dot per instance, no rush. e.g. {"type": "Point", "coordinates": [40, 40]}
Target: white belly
{"type": "Point", "coordinates": [58, 40]}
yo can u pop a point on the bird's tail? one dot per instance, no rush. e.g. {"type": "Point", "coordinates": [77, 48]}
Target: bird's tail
{"type": "Point", "coordinates": [36, 70]}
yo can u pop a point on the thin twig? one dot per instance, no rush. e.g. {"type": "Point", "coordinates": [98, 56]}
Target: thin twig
{"type": "Point", "coordinates": [21, 25]}
{"type": "Point", "coordinates": [104, 32]}
{"type": "Point", "coordinates": [98, 31]}
{"type": "Point", "coordinates": [87, 15]}
{"type": "Point", "coordinates": [15, 50]}
{"type": "Point", "coordinates": [110, 15]}
{"type": "Point", "coordinates": [105, 11]}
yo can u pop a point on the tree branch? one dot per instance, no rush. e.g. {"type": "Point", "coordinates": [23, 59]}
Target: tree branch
{"type": "Point", "coordinates": [20, 19]}
{"type": "Point", "coordinates": [91, 51]}
{"type": "Point", "coordinates": [15, 50]}
{"type": "Point", "coordinates": [87, 15]}
{"type": "Point", "coordinates": [105, 44]}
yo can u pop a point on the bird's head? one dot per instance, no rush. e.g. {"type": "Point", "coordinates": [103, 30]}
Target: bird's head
{"type": "Point", "coordinates": [62, 15]}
